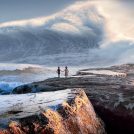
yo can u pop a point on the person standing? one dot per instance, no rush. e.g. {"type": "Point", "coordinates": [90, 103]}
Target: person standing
{"type": "Point", "coordinates": [58, 72]}
{"type": "Point", "coordinates": [66, 71]}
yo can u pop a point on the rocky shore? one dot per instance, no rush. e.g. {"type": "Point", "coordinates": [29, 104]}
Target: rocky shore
{"type": "Point", "coordinates": [110, 90]}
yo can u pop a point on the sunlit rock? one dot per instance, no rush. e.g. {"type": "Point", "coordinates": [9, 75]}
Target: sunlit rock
{"type": "Point", "coordinates": [61, 112]}
{"type": "Point", "coordinates": [109, 89]}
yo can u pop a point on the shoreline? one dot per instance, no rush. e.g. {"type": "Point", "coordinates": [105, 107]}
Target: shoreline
{"type": "Point", "coordinates": [110, 91]}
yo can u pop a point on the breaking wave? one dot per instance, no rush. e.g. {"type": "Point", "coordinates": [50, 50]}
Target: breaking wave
{"type": "Point", "coordinates": [76, 36]}
{"type": "Point", "coordinates": [73, 30]}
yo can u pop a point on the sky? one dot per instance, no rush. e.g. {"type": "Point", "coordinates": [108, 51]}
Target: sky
{"type": "Point", "coordinates": [24, 9]}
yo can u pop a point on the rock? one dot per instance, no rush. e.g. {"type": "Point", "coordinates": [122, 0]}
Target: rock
{"type": "Point", "coordinates": [34, 88]}
{"type": "Point", "coordinates": [111, 91]}
{"type": "Point", "coordinates": [26, 89]}
{"type": "Point", "coordinates": [61, 112]}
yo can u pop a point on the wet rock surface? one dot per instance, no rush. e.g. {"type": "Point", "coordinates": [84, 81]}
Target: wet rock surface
{"type": "Point", "coordinates": [67, 112]}
{"type": "Point", "coordinates": [111, 91]}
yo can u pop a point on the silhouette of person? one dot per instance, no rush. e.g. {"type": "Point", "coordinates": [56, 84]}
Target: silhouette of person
{"type": "Point", "coordinates": [66, 71]}
{"type": "Point", "coordinates": [58, 72]}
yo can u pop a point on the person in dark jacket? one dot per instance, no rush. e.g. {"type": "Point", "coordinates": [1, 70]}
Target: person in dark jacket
{"type": "Point", "coordinates": [58, 72]}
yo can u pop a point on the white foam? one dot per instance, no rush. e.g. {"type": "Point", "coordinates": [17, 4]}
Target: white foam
{"type": "Point", "coordinates": [105, 72]}
{"type": "Point", "coordinates": [120, 99]}
{"type": "Point", "coordinates": [130, 106]}
{"type": "Point", "coordinates": [13, 66]}
{"type": "Point", "coordinates": [44, 99]}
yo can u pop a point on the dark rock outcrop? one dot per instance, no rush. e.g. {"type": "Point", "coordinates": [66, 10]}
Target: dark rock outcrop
{"type": "Point", "coordinates": [26, 89]}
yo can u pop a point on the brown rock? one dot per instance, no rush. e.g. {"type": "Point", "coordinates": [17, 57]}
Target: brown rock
{"type": "Point", "coordinates": [73, 116]}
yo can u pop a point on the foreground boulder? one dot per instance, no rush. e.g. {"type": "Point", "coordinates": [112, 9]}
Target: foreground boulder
{"type": "Point", "coordinates": [61, 112]}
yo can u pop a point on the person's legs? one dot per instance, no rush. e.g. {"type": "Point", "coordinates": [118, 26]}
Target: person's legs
{"type": "Point", "coordinates": [58, 75]}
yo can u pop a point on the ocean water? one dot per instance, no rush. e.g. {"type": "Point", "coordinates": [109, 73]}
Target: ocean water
{"type": "Point", "coordinates": [13, 75]}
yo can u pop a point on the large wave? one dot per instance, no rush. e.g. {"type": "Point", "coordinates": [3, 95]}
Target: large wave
{"type": "Point", "coordinates": [74, 36]}
{"type": "Point", "coordinates": [72, 30]}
